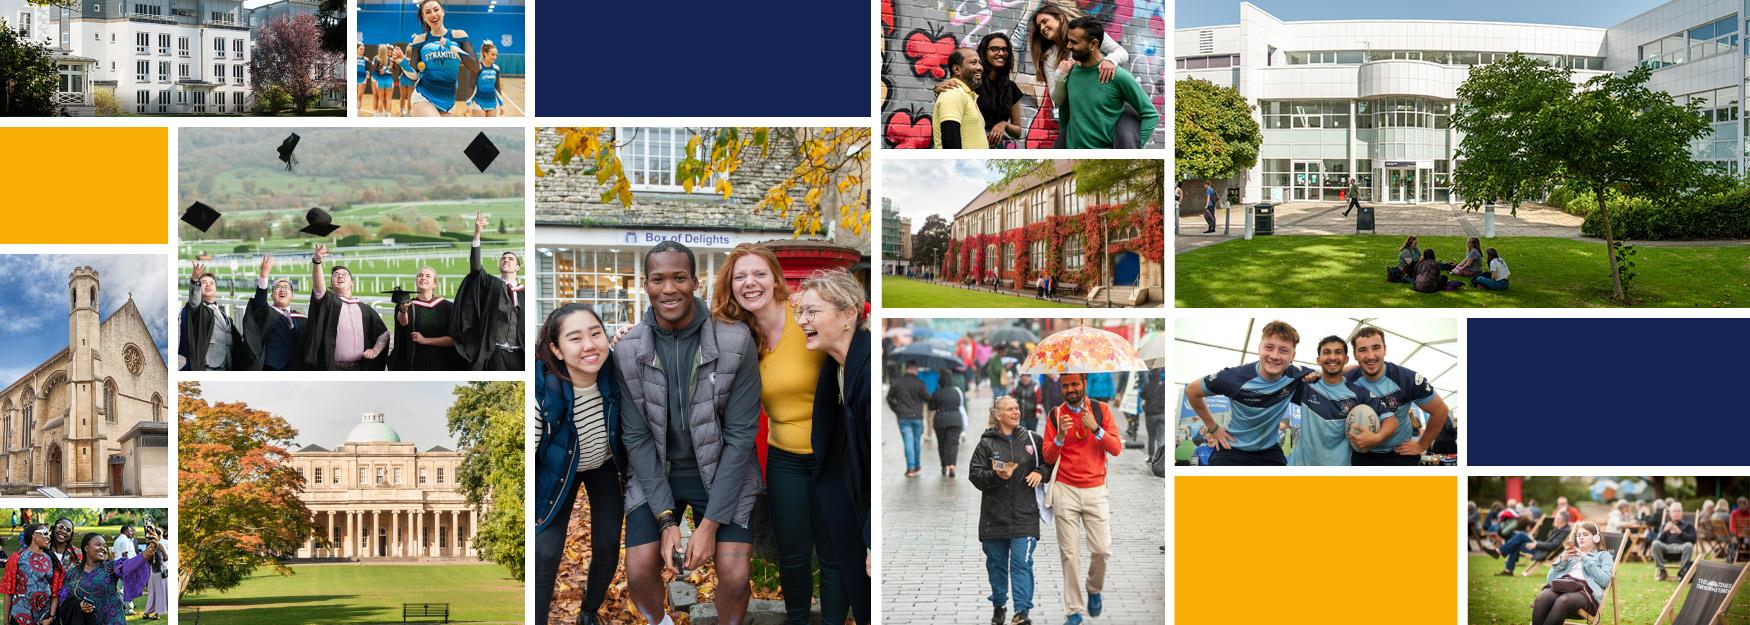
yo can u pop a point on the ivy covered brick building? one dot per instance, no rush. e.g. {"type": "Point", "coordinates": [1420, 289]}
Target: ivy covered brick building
{"type": "Point", "coordinates": [1008, 235]}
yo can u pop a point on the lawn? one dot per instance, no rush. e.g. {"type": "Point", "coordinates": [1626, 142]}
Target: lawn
{"type": "Point", "coordinates": [1507, 600]}
{"type": "Point", "coordinates": [1349, 272]}
{"type": "Point", "coordinates": [898, 292]}
{"type": "Point", "coordinates": [364, 593]}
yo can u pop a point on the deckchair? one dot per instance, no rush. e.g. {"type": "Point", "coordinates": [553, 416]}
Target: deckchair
{"type": "Point", "coordinates": [1711, 587]}
{"type": "Point", "coordinates": [1613, 542]}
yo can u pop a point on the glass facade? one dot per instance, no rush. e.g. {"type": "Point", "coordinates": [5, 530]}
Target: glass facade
{"type": "Point", "coordinates": [1707, 40]}
{"type": "Point", "coordinates": [1720, 108]}
{"type": "Point", "coordinates": [1443, 57]}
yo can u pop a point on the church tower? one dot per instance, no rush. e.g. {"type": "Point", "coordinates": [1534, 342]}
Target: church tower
{"type": "Point", "coordinates": [84, 342]}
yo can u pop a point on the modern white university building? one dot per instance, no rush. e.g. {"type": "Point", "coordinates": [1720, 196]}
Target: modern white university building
{"type": "Point", "coordinates": [1373, 98]}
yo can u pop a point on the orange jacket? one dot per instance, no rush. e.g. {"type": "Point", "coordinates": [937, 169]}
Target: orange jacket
{"type": "Point", "coordinates": [1083, 457]}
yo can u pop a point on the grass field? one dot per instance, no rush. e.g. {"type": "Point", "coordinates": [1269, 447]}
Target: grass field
{"type": "Point", "coordinates": [364, 593]}
{"type": "Point", "coordinates": [898, 292]}
{"type": "Point", "coordinates": [1507, 600]}
{"type": "Point", "coordinates": [1349, 272]}
{"type": "Point", "coordinates": [289, 238]}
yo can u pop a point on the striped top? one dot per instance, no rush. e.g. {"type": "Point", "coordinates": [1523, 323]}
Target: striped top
{"type": "Point", "coordinates": [591, 420]}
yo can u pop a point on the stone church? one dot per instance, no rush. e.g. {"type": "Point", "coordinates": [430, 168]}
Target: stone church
{"type": "Point", "coordinates": [92, 420]}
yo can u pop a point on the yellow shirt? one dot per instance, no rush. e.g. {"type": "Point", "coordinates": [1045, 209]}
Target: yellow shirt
{"type": "Point", "coordinates": [788, 376]}
{"type": "Point", "coordinates": [959, 104]}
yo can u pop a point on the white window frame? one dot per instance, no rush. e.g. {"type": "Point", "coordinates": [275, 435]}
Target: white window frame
{"type": "Point", "coordinates": [236, 48]}
{"type": "Point", "coordinates": [142, 43]}
{"type": "Point", "coordinates": [640, 162]}
{"type": "Point", "coordinates": [142, 99]}
{"type": "Point", "coordinates": [142, 71]}
{"type": "Point", "coordinates": [164, 100]}
{"type": "Point", "coordinates": [164, 71]}
{"type": "Point", "coordinates": [163, 44]}
{"type": "Point", "coordinates": [182, 47]}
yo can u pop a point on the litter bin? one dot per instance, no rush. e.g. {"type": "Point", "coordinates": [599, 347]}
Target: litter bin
{"type": "Point", "coordinates": [1264, 218]}
{"type": "Point", "coordinates": [1364, 220]}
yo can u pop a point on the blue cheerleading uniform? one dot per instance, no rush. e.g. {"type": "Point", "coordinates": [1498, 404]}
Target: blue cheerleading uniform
{"type": "Point", "coordinates": [385, 76]}
{"type": "Point", "coordinates": [486, 88]}
{"type": "Point", "coordinates": [362, 72]}
{"type": "Point", "coordinates": [442, 59]}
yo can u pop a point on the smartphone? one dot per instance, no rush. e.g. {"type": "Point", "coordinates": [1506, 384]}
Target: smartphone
{"type": "Point", "coordinates": [680, 558]}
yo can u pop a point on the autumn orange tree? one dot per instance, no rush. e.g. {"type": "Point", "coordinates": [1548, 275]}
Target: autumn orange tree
{"type": "Point", "coordinates": [238, 498]}
{"type": "Point", "coordinates": [829, 180]}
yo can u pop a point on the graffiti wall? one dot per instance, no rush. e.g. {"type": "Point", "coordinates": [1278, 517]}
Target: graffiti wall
{"type": "Point", "coordinates": [918, 36]}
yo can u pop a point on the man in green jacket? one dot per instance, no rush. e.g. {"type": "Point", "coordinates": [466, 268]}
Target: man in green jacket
{"type": "Point", "coordinates": [1094, 106]}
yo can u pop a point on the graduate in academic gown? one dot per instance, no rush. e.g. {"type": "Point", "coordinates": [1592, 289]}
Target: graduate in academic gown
{"type": "Point", "coordinates": [210, 340]}
{"type": "Point", "coordinates": [346, 334]}
{"type": "Point", "coordinates": [488, 320]}
{"type": "Point", "coordinates": [273, 331]}
{"type": "Point", "coordinates": [422, 328]}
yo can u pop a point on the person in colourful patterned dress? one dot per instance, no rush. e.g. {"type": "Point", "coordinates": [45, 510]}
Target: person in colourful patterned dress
{"type": "Point", "coordinates": [31, 578]}
{"type": "Point", "coordinates": [89, 595]}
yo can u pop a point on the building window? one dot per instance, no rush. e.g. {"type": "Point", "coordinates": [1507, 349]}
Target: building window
{"type": "Point", "coordinates": [219, 72]}
{"type": "Point", "coordinates": [200, 101]}
{"type": "Point", "coordinates": [301, 474]}
{"type": "Point", "coordinates": [361, 481]}
{"type": "Point", "coordinates": [142, 72]}
{"type": "Point", "coordinates": [397, 475]}
{"type": "Point", "coordinates": [382, 476]}
{"type": "Point", "coordinates": [142, 43]}
{"type": "Point", "coordinates": [164, 100]}
{"type": "Point", "coordinates": [218, 47]}
{"type": "Point", "coordinates": [1039, 211]}
{"type": "Point", "coordinates": [236, 76]}
{"type": "Point", "coordinates": [182, 47]}
{"type": "Point", "coordinates": [651, 156]}
{"type": "Point", "coordinates": [1009, 257]}
{"type": "Point", "coordinates": [157, 401]}
{"type": "Point", "coordinates": [318, 475]}
{"type": "Point", "coordinates": [1036, 256]}
{"type": "Point", "coordinates": [422, 476]}
{"type": "Point", "coordinates": [236, 48]}
{"type": "Point", "coordinates": [182, 71]}
{"type": "Point", "coordinates": [237, 101]}
{"type": "Point", "coordinates": [1072, 254]}
{"type": "Point", "coordinates": [1072, 203]}
{"type": "Point", "coordinates": [164, 44]}
{"type": "Point", "coordinates": [164, 71]}
{"type": "Point", "coordinates": [440, 475]}
{"type": "Point", "coordinates": [109, 404]}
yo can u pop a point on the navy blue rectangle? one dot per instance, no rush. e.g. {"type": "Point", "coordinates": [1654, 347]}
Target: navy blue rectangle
{"type": "Point", "coordinates": [709, 58]}
{"type": "Point", "coordinates": [1608, 392]}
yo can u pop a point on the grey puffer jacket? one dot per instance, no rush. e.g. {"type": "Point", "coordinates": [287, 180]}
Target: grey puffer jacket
{"type": "Point", "coordinates": [723, 418]}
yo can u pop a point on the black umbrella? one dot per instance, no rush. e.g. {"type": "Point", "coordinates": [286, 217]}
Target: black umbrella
{"type": "Point", "coordinates": [1010, 334]}
{"type": "Point", "coordinates": [929, 355]}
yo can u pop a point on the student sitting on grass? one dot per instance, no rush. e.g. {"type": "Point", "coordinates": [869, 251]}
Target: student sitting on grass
{"type": "Point", "coordinates": [1428, 278]}
{"type": "Point", "coordinates": [1472, 265]}
{"type": "Point", "coordinates": [1495, 279]}
{"type": "Point", "coordinates": [1405, 271]}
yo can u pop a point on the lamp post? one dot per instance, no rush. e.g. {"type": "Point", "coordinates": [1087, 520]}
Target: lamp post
{"type": "Point", "coordinates": [1106, 254]}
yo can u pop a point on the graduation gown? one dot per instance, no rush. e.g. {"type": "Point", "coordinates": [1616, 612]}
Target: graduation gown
{"type": "Point", "coordinates": [196, 330]}
{"type": "Point", "coordinates": [324, 323]}
{"type": "Point", "coordinates": [432, 320]}
{"type": "Point", "coordinates": [487, 318]}
{"type": "Point", "coordinates": [274, 340]}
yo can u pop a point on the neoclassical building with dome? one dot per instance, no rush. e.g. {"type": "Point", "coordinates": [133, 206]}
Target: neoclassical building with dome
{"type": "Point", "coordinates": [375, 497]}
{"type": "Point", "coordinates": [91, 420]}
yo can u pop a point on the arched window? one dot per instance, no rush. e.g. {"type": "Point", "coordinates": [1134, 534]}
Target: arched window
{"type": "Point", "coordinates": [157, 407]}
{"type": "Point", "coordinates": [110, 406]}
{"type": "Point", "coordinates": [27, 420]}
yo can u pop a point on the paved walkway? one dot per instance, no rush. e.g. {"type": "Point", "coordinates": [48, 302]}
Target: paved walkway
{"type": "Point", "coordinates": [1318, 218]}
{"type": "Point", "coordinates": [932, 564]}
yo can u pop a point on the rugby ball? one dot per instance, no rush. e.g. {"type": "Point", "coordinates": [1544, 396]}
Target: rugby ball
{"type": "Point", "coordinates": [1362, 420]}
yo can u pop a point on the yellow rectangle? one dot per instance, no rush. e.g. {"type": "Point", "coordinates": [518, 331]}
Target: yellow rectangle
{"type": "Point", "coordinates": [85, 185]}
{"type": "Point", "coordinates": [1349, 550]}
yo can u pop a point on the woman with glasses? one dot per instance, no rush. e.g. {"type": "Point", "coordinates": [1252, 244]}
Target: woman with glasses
{"type": "Point", "coordinates": [32, 578]}
{"type": "Point", "coordinates": [749, 288]}
{"type": "Point", "coordinates": [831, 314]}
{"type": "Point", "coordinates": [999, 98]}
{"type": "Point", "coordinates": [90, 594]}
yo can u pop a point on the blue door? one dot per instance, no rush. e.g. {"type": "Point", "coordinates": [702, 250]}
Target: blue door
{"type": "Point", "coordinates": [1125, 267]}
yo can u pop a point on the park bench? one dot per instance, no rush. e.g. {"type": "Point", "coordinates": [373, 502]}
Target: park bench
{"type": "Point", "coordinates": [1066, 289]}
{"type": "Point", "coordinates": [189, 616]}
{"type": "Point", "coordinates": [1007, 283]}
{"type": "Point", "coordinates": [425, 610]}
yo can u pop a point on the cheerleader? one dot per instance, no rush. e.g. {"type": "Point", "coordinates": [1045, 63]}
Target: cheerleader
{"type": "Point", "coordinates": [437, 56]}
{"type": "Point", "coordinates": [362, 73]}
{"type": "Point", "coordinates": [384, 73]}
{"type": "Point", "coordinates": [485, 101]}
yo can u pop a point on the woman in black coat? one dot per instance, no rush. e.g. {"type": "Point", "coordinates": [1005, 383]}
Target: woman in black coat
{"type": "Point", "coordinates": [830, 311]}
{"type": "Point", "coordinates": [1006, 469]}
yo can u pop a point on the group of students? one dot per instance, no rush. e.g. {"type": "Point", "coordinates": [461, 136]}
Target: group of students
{"type": "Point", "coordinates": [1098, 103]}
{"type": "Point", "coordinates": [1260, 393]}
{"type": "Point", "coordinates": [52, 579]}
{"type": "Point", "coordinates": [481, 330]}
{"type": "Point", "coordinates": [1417, 266]}
{"type": "Point", "coordinates": [421, 80]}
{"type": "Point", "coordinates": [707, 405]}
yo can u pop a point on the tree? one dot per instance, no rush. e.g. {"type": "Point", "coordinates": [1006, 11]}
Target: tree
{"type": "Point", "coordinates": [238, 498]}
{"type": "Point", "coordinates": [487, 422]}
{"type": "Point", "coordinates": [331, 16]}
{"type": "Point", "coordinates": [289, 54]}
{"type": "Point", "coordinates": [831, 172]}
{"type": "Point", "coordinates": [1527, 129]}
{"type": "Point", "coordinates": [28, 79]}
{"type": "Point", "coordinates": [931, 241]}
{"type": "Point", "coordinates": [270, 100]}
{"type": "Point", "coordinates": [1214, 134]}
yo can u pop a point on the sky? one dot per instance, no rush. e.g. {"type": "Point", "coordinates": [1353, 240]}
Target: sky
{"type": "Point", "coordinates": [920, 188]}
{"type": "Point", "coordinates": [34, 302]}
{"type": "Point", "coordinates": [1594, 13]}
{"type": "Point", "coordinates": [324, 412]}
